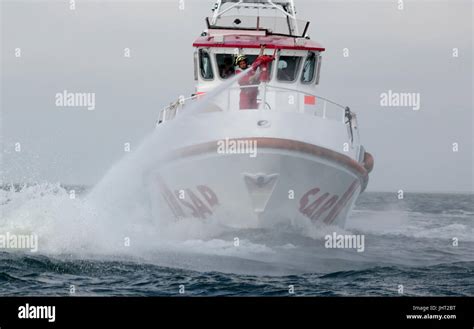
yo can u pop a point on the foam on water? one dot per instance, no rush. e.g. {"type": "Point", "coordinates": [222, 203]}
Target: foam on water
{"type": "Point", "coordinates": [81, 228]}
{"type": "Point", "coordinates": [413, 224]}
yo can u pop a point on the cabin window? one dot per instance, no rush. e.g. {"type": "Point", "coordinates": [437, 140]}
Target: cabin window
{"type": "Point", "coordinates": [288, 68]}
{"type": "Point", "coordinates": [309, 68]}
{"type": "Point", "coordinates": [226, 65]}
{"type": "Point", "coordinates": [205, 65]}
{"type": "Point", "coordinates": [318, 69]}
{"type": "Point", "coordinates": [195, 57]}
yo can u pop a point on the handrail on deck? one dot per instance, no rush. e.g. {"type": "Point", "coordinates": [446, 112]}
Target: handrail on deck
{"type": "Point", "coordinates": [347, 116]}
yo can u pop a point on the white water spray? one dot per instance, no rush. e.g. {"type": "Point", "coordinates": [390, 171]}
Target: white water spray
{"type": "Point", "coordinates": [115, 217]}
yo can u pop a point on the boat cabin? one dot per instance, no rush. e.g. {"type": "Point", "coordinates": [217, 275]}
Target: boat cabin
{"type": "Point", "coordinates": [253, 28]}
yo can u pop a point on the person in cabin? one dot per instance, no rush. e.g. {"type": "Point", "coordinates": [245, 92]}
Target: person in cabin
{"type": "Point", "coordinates": [227, 69]}
{"type": "Point", "coordinates": [248, 95]}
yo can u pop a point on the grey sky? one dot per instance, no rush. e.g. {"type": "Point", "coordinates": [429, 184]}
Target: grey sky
{"type": "Point", "coordinates": [82, 51]}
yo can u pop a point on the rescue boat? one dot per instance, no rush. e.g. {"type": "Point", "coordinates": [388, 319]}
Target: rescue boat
{"type": "Point", "coordinates": [250, 159]}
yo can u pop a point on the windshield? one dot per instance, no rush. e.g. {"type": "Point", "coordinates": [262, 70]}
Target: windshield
{"type": "Point", "coordinates": [228, 67]}
{"type": "Point", "coordinates": [309, 68]}
{"type": "Point", "coordinates": [205, 65]}
{"type": "Point", "coordinates": [288, 68]}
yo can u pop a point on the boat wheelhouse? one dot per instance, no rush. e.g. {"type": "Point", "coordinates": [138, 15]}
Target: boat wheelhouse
{"type": "Point", "coordinates": [244, 27]}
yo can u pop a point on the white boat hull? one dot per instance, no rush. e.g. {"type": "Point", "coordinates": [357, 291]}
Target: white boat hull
{"type": "Point", "coordinates": [288, 178]}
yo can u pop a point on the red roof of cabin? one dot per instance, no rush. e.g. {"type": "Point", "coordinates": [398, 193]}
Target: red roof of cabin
{"type": "Point", "coordinates": [255, 41]}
